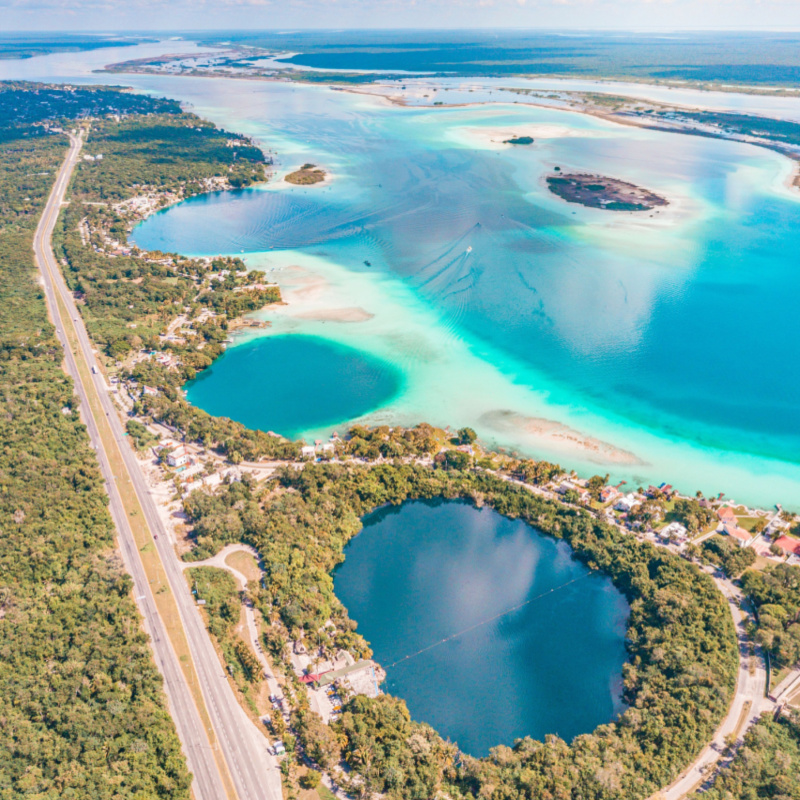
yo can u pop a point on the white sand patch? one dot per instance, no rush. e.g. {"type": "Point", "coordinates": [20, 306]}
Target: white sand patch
{"type": "Point", "coordinates": [491, 138]}
{"type": "Point", "coordinates": [352, 314]}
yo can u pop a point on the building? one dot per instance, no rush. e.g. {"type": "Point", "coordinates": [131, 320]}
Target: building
{"type": "Point", "coordinates": [740, 535]}
{"type": "Point", "coordinates": [674, 532]}
{"type": "Point", "coordinates": [626, 502]}
{"type": "Point", "coordinates": [149, 390]}
{"type": "Point", "coordinates": [789, 545]}
{"type": "Point", "coordinates": [726, 516]}
{"type": "Point", "coordinates": [609, 493]}
{"type": "Point", "coordinates": [569, 486]}
{"type": "Point", "coordinates": [308, 451]}
{"type": "Point", "coordinates": [177, 457]}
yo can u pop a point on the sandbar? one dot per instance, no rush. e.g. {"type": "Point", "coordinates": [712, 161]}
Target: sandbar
{"type": "Point", "coordinates": [558, 436]}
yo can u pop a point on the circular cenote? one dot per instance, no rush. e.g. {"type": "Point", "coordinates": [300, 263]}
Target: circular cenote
{"type": "Point", "coordinates": [290, 384]}
{"type": "Point", "coordinates": [489, 630]}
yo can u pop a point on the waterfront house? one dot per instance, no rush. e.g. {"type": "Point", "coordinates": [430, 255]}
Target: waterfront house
{"type": "Point", "coordinates": [307, 451]}
{"type": "Point", "coordinates": [609, 493]}
{"type": "Point", "coordinates": [726, 516]}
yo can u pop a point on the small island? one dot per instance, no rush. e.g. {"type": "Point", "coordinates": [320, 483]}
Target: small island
{"type": "Point", "coordinates": [596, 191]}
{"type": "Point", "coordinates": [519, 140]}
{"type": "Point", "coordinates": [307, 175]}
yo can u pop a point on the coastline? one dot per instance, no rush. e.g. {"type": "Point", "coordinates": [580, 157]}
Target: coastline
{"type": "Point", "coordinates": [618, 118]}
{"type": "Point", "coordinates": [322, 319]}
{"type": "Point", "coordinates": [312, 299]}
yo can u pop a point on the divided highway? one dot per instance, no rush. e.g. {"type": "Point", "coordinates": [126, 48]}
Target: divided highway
{"type": "Point", "coordinates": [247, 761]}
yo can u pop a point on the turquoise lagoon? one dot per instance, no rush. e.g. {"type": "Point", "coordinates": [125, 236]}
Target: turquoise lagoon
{"type": "Point", "coordinates": [294, 382]}
{"type": "Point", "coordinates": [671, 339]}
{"type": "Point", "coordinates": [432, 570]}
{"type": "Point", "coordinates": [665, 344]}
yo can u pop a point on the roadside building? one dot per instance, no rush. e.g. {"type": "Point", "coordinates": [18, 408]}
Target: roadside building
{"type": "Point", "coordinates": [626, 502]}
{"type": "Point", "coordinates": [674, 532]}
{"type": "Point", "coordinates": [177, 457]}
{"type": "Point", "coordinates": [569, 486]}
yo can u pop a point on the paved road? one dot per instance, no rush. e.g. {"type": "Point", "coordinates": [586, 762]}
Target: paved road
{"type": "Point", "coordinates": [250, 613]}
{"type": "Point", "coordinates": [749, 702]}
{"type": "Point", "coordinates": [254, 772]}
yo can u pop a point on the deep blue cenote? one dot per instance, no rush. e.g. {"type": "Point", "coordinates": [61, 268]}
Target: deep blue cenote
{"type": "Point", "coordinates": [430, 570]}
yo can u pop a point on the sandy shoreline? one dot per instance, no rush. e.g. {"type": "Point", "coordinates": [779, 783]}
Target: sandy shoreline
{"type": "Point", "coordinates": [592, 111]}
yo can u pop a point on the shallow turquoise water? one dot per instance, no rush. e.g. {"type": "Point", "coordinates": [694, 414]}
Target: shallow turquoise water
{"type": "Point", "coordinates": [288, 383]}
{"type": "Point", "coordinates": [672, 326]}
{"type": "Point", "coordinates": [671, 339]}
{"type": "Point", "coordinates": [425, 571]}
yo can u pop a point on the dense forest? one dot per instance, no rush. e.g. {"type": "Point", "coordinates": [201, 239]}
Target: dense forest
{"type": "Point", "coordinates": [31, 44]}
{"type": "Point", "coordinates": [776, 595]}
{"type": "Point", "coordinates": [82, 709]}
{"type": "Point", "coordinates": [25, 103]}
{"type": "Point", "coordinates": [682, 651]}
{"type": "Point", "coordinates": [222, 612]}
{"type": "Point", "coordinates": [766, 766]}
{"type": "Point", "coordinates": [127, 298]}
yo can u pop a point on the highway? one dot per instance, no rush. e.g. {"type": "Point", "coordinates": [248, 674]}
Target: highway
{"type": "Point", "coordinates": [253, 771]}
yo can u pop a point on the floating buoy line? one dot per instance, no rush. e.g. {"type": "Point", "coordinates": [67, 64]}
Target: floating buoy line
{"type": "Point", "coordinates": [484, 622]}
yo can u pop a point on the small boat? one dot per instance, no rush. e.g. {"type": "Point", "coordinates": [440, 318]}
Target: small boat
{"type": "Point", "coordinates": [469, 249]}
{"type": "Point", "coordinates": [367, 263]}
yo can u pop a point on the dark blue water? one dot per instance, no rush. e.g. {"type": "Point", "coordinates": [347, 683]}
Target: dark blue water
{"type": "Point", "coordinates": [426, 570]}
{"type": "Point", "coordinates": [288, 384]}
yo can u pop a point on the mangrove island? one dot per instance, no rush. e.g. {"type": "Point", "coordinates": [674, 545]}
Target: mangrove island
{"type": "Point", "coordinates": [307, 175]}
{"type": "Point", "coordinates": [596, 191]}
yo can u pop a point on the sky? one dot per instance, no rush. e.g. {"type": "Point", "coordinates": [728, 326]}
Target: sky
{"type": "Point", "coordinates": [108, 15]}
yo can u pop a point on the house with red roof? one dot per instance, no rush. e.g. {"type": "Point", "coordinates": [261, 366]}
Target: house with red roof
{"type": "Point", "coordinates": [789, 545]}
{"type": "Point", "coordinates": [742, 536]}
{"type": "Point", "coordinates": [726, 516]}
{"type": "Point", "coordinates": [609, 493]}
